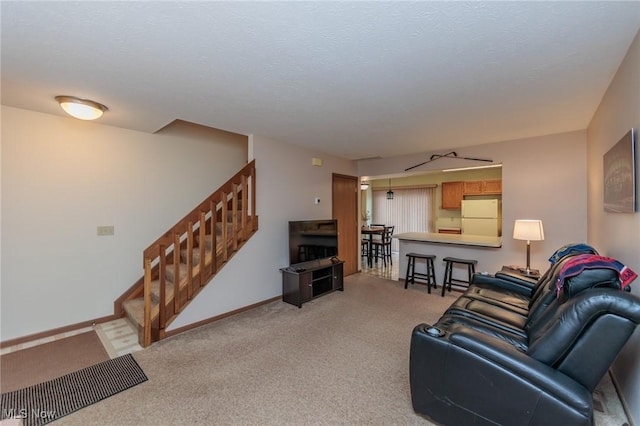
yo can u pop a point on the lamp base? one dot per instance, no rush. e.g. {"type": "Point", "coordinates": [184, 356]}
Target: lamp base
{"type": "Point", "coordinates": [531, 273]}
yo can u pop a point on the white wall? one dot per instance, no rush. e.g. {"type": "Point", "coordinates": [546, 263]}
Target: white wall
{"type": "Point", "coordinates": [287, 184]}
{"type": "Point", "coordinates": [618, 235]}
{"type": "Point", "coordinates": [542, 178]}
{"type": "Point", "coordinates": [61, 178]}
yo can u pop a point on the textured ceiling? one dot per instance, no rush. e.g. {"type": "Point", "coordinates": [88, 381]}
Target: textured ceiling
{"type": "Point", "coordinates": [352, 79]}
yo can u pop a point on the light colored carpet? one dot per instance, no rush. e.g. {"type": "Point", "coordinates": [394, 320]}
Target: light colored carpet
{"type": "Point", "coordinates": [341, 359]}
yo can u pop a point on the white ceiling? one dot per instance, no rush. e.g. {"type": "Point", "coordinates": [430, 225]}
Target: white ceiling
{"type": "Point", "coordinates": [352, 79]}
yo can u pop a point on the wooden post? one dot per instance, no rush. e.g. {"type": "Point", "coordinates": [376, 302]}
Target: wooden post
{"type": "Point", "coordinates": [162, 306]}
{"type": "Point", "coordinates": [189, 260]}
{"type": "Point", "coordinates": [176, 273]}
{"type": "Point", "coordinates": [147, 303]}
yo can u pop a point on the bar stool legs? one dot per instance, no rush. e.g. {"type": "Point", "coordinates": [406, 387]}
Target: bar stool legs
{"type": "Point", "coordinates": [430, 276]}
{"type": "Point", "coordinates": [448, 272]}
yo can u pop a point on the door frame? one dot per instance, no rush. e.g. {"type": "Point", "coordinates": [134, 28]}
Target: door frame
{"type": "Point", "coordinates": [354, 216]}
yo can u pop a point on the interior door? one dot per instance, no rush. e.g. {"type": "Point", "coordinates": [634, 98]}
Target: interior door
{"type": "Point", "coordinates": [345, 209]}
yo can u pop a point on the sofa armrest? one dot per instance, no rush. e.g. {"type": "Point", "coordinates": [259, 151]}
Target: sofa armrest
{"type": "Point", "coordinates": [519, 363]}
{"type": "Point", "coordinates": [466, 377]}
{"type": "Point", "coordinates": [510, 282]}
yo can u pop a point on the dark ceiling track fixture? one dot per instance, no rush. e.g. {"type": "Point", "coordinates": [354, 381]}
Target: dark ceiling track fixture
{"type": "Point", "coordinates": [451, 154]}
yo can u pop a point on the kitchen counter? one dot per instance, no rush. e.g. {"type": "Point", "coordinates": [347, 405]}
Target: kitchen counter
{"type": "Point", "coordinates": [483, 249]}
{"type": "Point", "coordinates": [458, 239]}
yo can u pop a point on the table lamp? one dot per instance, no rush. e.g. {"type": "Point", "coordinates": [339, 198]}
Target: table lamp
{"type": "Point", "coordinates": [529, 230]}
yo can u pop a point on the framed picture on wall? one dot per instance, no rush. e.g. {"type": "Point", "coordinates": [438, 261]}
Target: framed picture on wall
{"type": "Point", "coordinates": [620, 176]}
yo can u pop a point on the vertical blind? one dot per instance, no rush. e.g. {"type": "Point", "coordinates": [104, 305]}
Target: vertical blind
{"type": "Point", "coordinates": [410, 210]}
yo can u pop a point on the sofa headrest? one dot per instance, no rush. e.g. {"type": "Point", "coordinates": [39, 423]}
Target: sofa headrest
{"type": "Point", "coordinates": [587, 271]}
{"type": "Point", "coordinates": [590, 278]}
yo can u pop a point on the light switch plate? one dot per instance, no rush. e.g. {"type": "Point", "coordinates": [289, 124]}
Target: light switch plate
{"type": "Point", "coordinates": [105, 230]}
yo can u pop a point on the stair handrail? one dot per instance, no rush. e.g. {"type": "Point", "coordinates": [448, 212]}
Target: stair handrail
{"type": "Point", "coordinates": [236, 191]}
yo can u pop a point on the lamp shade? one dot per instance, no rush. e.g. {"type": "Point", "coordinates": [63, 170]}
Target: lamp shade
{"type": "Point", "coordinates": [528, 229]}
{"type": "Point", "coordinates": [364, 186]}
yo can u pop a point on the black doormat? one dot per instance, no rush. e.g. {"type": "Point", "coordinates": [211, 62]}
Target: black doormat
{"type": "Point", "coordinates": [48, 401]}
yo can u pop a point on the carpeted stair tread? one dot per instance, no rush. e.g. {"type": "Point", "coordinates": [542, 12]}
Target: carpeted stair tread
{"type": "Point", "coordinates": [182, 272]}
{"type": "Point", "coordinates": [155, 291]}
{"type": "Point", "coordinates": [135, 310]}
{"type": "Point", "coordinates": [208, 240]}
{"type": "Point", "coordinates": [135, 307]}
{"type": "Point", "coordinates": [196, 256]}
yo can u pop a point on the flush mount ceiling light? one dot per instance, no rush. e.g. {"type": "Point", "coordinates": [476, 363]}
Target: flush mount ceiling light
{"type": "Point", "coordinates": [83, 109]}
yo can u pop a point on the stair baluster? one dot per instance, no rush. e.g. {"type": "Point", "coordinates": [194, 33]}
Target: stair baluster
{"type": "Point", "coordinates": [201, 248]}
{"type": "Point", "coordinates": [147, 301]}
{"type": "Point", "coordinates": [189, 260]}
{"type": "Point", "coordinates": [223, 221]}
{"type": "Point", "coordinates": [162, 281]}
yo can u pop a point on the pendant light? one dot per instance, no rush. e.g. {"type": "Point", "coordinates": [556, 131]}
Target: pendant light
{"type": "Point", "coordinates": [389, 192]}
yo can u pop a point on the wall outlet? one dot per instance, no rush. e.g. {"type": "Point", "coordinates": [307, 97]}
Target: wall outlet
{"type": "Point", "coordinates": [105, 230]}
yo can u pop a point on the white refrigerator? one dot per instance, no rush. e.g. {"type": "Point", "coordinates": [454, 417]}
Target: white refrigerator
{"type": "Point", "coordinates": [480, 217]}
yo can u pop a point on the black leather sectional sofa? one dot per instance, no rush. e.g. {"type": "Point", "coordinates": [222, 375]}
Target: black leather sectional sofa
{"type": "Point", "coordinates": [515, 353]}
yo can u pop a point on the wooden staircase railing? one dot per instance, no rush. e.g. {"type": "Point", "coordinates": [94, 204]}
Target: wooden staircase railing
{"type": "Point", "coordinates": [183, 260]}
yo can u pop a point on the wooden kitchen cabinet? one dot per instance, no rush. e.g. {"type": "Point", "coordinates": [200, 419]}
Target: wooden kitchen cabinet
{"type": "Point", "coordinates": [493, 186]}
{"type": "Point", "coordinates": [482, 187]}
{"type": "Point", "coordinates": [451, 195]}
{"type": "Point", "coordinates": [472, 187]}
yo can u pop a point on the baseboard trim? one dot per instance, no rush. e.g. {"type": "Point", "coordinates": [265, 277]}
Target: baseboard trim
{"type": "Point", "coordinates": [623, 401]}
{"type": "Point", "coordinates": [219, 317]}
{"type": "Point", "coordinates": [53, 332]}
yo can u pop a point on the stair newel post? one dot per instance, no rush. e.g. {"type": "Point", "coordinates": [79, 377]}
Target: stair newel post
{"type": "Point", "coordinates": [201, 247]}
{"type": "Point", "coordinates": [189, 260]}
{"type": "Point", "coordinates": [225, 240]}
{"type": "Point", "coordinates": [254, 217]}
{"type": "Point", "coordinates": [234, 217]}
{"type": "Point", "coordinates": [244, 205]}
{"type": "Point", "coordinates": [214, 242]}
{"type": "Point", "coordinates": [162, 278]}
{"type": "Point", "coordinates": [147, 303]}
{"type": "Point", "coordinates": [176, 273]}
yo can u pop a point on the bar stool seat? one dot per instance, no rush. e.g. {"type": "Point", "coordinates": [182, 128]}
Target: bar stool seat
{"type": "Point", "coordinates": [430, 276]}
{"type": "Point", "coordinates": [448, 271]}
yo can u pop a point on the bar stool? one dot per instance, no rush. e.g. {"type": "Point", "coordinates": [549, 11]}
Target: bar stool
{"type": "Point", "coordinates": [430, 276]}
{"type": "Point", "coordinates": [448, 271]}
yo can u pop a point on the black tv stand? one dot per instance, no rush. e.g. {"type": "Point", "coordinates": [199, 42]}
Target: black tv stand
{"type": "Point", "coordinates": [304, 281]}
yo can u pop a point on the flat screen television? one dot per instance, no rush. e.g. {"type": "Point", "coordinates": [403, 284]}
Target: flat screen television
{"type": "Point", "coordinates": [312, 240]}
